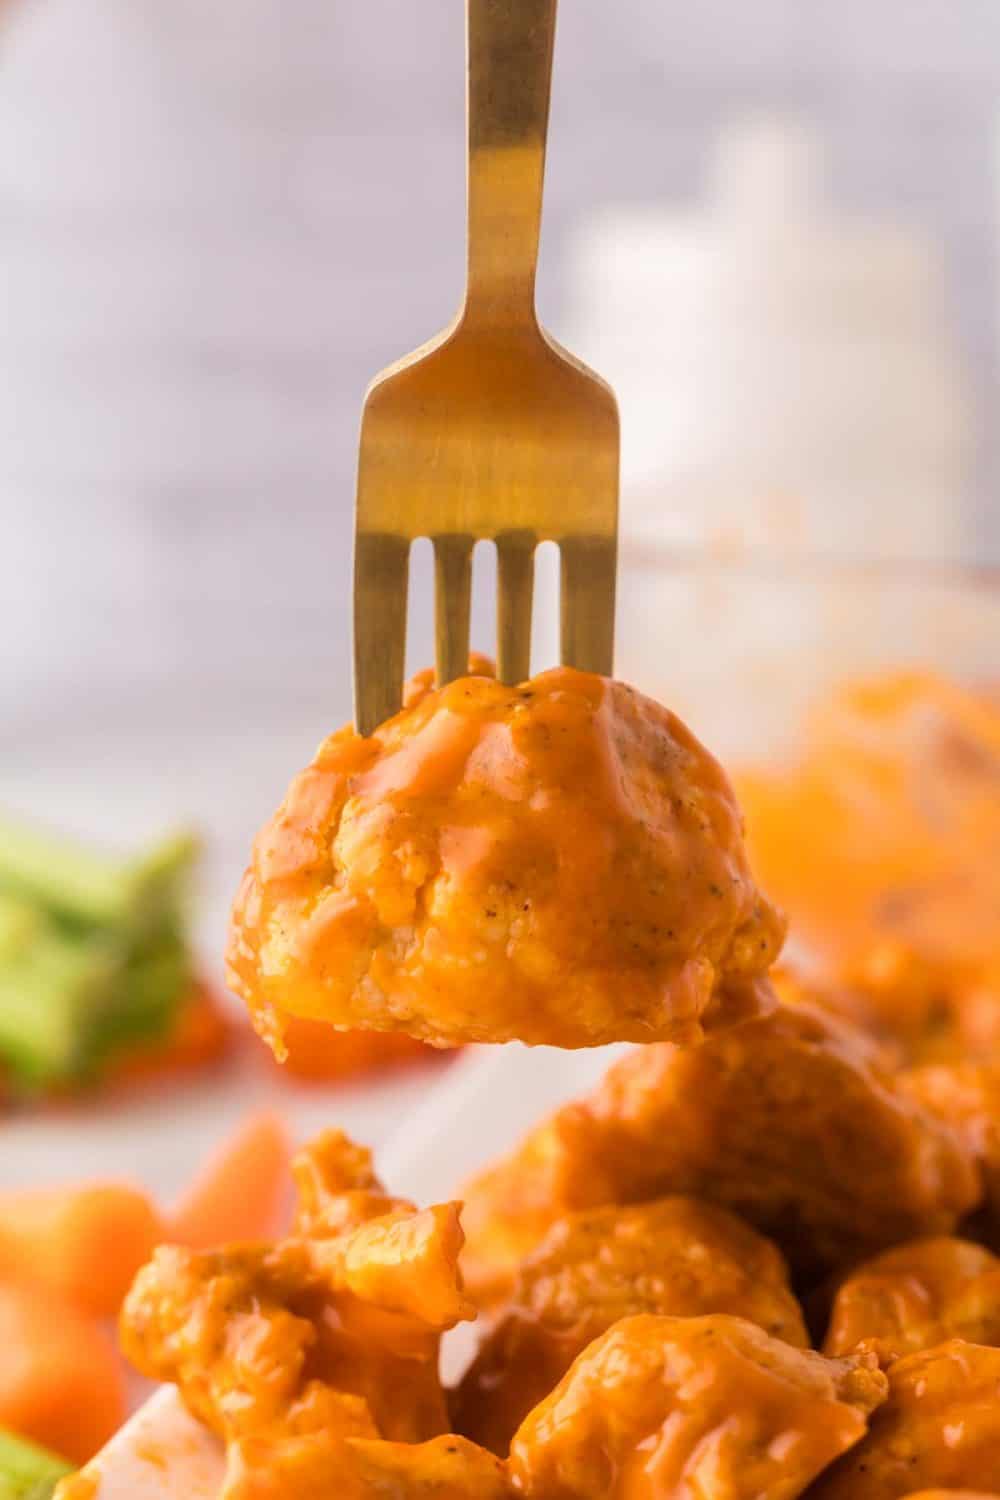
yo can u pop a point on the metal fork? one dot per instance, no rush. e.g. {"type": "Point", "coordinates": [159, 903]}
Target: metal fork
{"type": "Point", "coordinates": [491, 430]}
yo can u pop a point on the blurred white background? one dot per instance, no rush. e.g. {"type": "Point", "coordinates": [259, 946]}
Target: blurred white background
{"type": "Point", "coordinates": [218, 218]}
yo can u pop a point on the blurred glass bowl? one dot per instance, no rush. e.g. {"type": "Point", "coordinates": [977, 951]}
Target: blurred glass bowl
{"type": "Point", "coordinates": [741, 644]}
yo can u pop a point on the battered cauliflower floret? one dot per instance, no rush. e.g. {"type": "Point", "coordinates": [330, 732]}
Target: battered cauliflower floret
{"type": "Point", "coordinates": [330, 1332]}
{"type": "Point", "coordinates": [675, 1256]}
{"type": "Point", "coordinates": [325, 1466]}
{"type": "Point", "coordinates": [798, 985]}
{"type": "Point", "coordinates": [922, 1012]}
{"type": "Point", "coordinates": [885, 827]}
{"type": "Point", "coordinates": [939, 1428]}
{"type": "Point", "coordinates": [560, 863]}
{"type": "Point", "coordinates": [916, 1296]}
{"type": "Point", "coordinates": [792, 1120]}
{"type": "Point", "coordinates": [932, 1010]}
{"type": "Point", "coordinates": [336, 1187]}
{"type": "Point", "coordinates": [966, 1096]}
{"type": "Point", "coordinates": [713, 1406]}
{"type": "Point", "coordinates": [880, 842]}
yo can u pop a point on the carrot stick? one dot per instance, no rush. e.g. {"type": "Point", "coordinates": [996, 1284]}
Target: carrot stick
{"type": "Point", "coordinates": [83, 1243]}
{"type": "Point", "coordinates": [61, 1383]}
{"type": "Point", "coordinates": [242, 1191]}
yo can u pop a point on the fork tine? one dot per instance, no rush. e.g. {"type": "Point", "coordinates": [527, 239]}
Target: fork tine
{"type": "Point", "coordinates": [515, 588]}
{"type": "Point", "coordinates": [452, 601]}
{"type": "Point", "coordinates": [587, 603]}
{"type": "Point", "coordinates": [381, 571]}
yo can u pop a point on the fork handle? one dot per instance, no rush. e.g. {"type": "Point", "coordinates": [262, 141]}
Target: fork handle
{"type": "Point", "coordinates": [510, 75]}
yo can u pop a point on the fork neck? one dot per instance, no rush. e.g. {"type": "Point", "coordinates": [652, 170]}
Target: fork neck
{"type": "Point", "coordinates": [509, 81]}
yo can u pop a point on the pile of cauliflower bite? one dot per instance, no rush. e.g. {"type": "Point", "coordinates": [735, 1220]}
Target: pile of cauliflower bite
{"type": "Point", "coordinates": [754, 1264]}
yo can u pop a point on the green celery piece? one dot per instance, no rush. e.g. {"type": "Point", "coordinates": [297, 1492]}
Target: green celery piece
{"type": "Point", "coordinates": [157, 966]}
{"type": "Point", "coordinates": [51, 994]}
{"type": "Point", "coordinates": [69, 1004]}
{"type": "Point", "coordinates": [153, 980]}
{"type": "Point", "coordinates": [75, 882]}
{"type": "Point", "coordinates": [92, 889]}
{"type": "Point", "coordinates": [161, 877]}
{"type": "Point", "coordinates": [93, 956]}
{"type": "Point", "coordinates": [28, 1472]}
{"type": "Point", "coordinates": [21, 924]}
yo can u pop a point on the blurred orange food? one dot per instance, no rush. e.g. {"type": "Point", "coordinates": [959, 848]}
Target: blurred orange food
{"type": "Point", "coordinates": [888, 824]}
{"type": "Point", "coordinates": [68, 1256]}
{"type": "Point", "coordinates": [82, 1243]}
{"type": "Point", "coordinates": [319, 1054]}
{"type": "Point", "coordinates": [61, 1383]}
{"type": "Point", "coordinates": [880, 841]}
{"type": "Point", "coordinates": [242, 1190]}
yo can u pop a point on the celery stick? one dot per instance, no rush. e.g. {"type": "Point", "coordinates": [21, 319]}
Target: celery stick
{"type": "Point", "coordinates": [152, 982]}
{"type": "Point", "coordinates": [160, 877]}
{"type": "Point", "coordinates": [51, 996]}
{"type": "Point", "coordinates": [26, 1471]}
{"type": "Point", "coordinates": [90, 888]}
{"type": "Point", "coordinates": [75, 882]}
{"type": "Point", "coordinates": [68, 1003]}
{"type": "Point", "coordinates": [21, 923]}
{"type": "Point", "coordinates": [93, 956]}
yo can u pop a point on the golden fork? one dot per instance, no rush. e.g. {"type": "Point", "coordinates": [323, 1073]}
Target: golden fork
{"type": "Point", "coordinates": [491, 430]}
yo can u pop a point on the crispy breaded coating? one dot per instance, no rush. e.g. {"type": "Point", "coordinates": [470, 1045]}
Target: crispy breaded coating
{"type": "Point", "coordinates": [560, 862]}
{"type": "Point", "coordinates": [940, 1428]}
{"type": "Point", "coordinates": [324, 1466]}
{"type": "Point", "coordinates": [915, 1296]}
{"type": "Point", "coordinates": [966, 1096]}
{"type": "Point", "coordinates": [792, 1120]}
{"type": "Point", "coordinates": [393, 1257]}
{"type": "Point", "coordinates": [268, 1340]}
{"type": "Point", "coordinates": [713, 1406]}
{"type": "Point", "coordinates": [673, 1256]}
{"type": "Point", "coordinates": [336, 1187]}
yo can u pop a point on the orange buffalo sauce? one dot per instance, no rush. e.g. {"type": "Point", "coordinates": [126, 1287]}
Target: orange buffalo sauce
{"type": "Point", "coordinates": [563, 862]}
{"type": "Point", "coordinates": [881, 841]}
{"type": "Point", "coordinates": [674, 1256]}
{"type": "Point", "coordinates": [665, 1408]}
{"type": "Point", "coordinates": [560, 862]}
{"type": "Point", "coordinates": [915, 1296]}
{"type": "Point", "coordinates": [940, 1427]}
{"type": "Point", "coordinates": [316, 1053]}
{"type": "Point", "coordinates": [336, 1326]}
